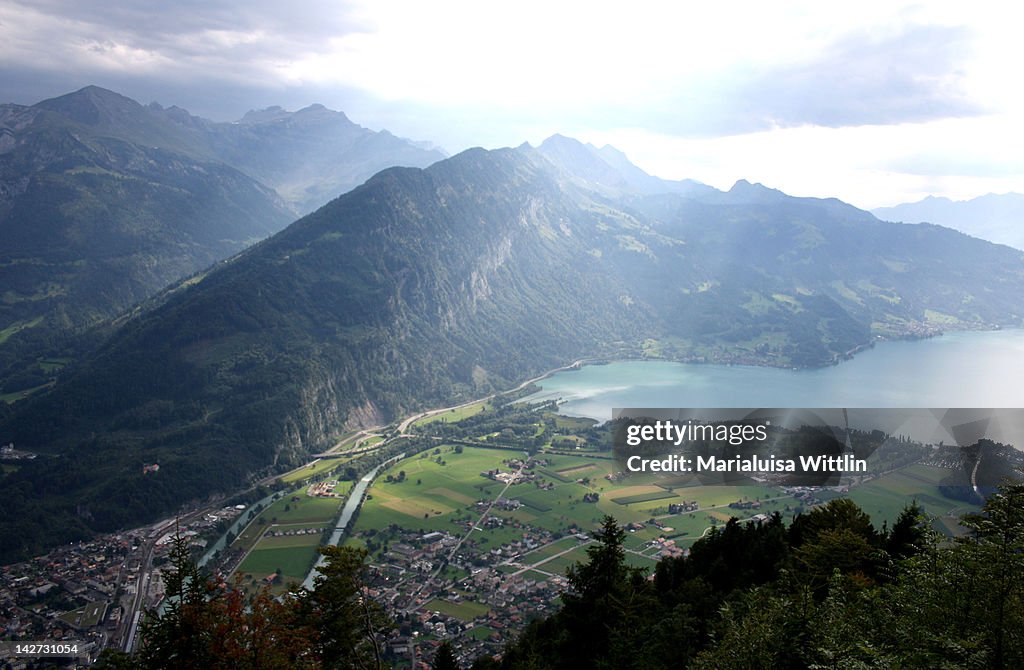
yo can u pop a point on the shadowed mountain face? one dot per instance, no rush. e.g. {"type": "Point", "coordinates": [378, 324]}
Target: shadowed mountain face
{"type": "Point", "coordinates": [425, 287]}
{"type": "Point", "coordinates": [103, 202]}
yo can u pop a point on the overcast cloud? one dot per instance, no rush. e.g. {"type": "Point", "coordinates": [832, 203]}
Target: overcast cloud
{"type": "Point", "coordinates": [855, 102]}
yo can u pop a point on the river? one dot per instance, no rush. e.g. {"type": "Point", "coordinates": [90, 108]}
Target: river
{"type": "Point", "coordinates": [355, 499]}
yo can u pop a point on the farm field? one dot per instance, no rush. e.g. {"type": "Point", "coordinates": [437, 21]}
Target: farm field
{"type": "Point", "coordinates": [558, 565]}
{"type": "Point", "coordinates": [439, 489]}
{"type": "Point", "coordinates": [548, 550]}
{"type": "Point", "coordinates": [292, 508]}
{"type": "Point", "coordinates": [453, 415]}
{"type": "Point", "coordinates": [885, 497]}
{"type": "Point", "coordinates": [292, 548]}
{"type": "Point", "coordinates": [317, 467]}
{"type": "Point", "coordinates": [294, 562]}
{"type": "Point", "coordinates": [465, 610]}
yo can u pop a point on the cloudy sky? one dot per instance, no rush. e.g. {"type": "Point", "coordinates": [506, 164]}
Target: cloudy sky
{"type": "Point", "coordinates": [875, 103]}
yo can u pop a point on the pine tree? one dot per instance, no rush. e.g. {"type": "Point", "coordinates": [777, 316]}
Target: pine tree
{"type": "Point", "coordinates": [349, 624]}
{"type": "Point", "coordinates": [445, 658]}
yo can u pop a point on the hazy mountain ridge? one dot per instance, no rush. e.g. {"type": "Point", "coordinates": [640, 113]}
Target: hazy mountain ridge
{"type": "Point", "coordinates": [899, 279]}
{"type": "Point", "coordinates": [104, 202]}
{"type": "Point", "coordinates": [313, 155]}
{"type": "Point", "coordinates": [608, 171]}
{"type": "Point", "coordinates": [751, 251]}
{"type": "Point", "coordinates": [309, 156]}
{"type": "Point", "coordinates": [92, 224]}
{"type": "Point", "coordinates": [992, 217]}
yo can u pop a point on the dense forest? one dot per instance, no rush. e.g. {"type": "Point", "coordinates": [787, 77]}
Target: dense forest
{"type": "Point", "coordinates": [828, 591]}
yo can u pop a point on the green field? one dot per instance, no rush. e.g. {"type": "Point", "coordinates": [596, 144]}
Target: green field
{"type": "Point", "coordinates": [86, 616]}
{"type": "Point", "coordinates": [432, 495]}
{"type": "Point", "coordinates": [536, 505]}
{"type": "Point", "coordinates": [440, 486]}
{"type": "Point", "coordinates": [547, 557]}
{"type": "Point", "coordinates": [317, 467]}
{"type": "Point", "coordinates": [280, 541]}
{"type": "Point", "coordinates": [294, 563]}
{"type": "Point", "coordinates": [292, 553]}
{"type": "Point", "coordinates": [10, 398]}
{"type": "Point", "coordinates": [53, 364]}
{"type": "Point", "coordinates": [465, 610]}
{"type": "Point", "coordinates": [453, 415]}
{"type": "Point", "coordinates": [556, 476]}
{"type": "Point", "coordinates": [644, 497]}
{"type": "Point", "coordinates": [442, 500]}
{"type": "Point", "coordinates": [17, 327]}
{"type": "Point", "coordinates": [480, 633]}
{"type": "Point", "coordinates": [572, 422]}
{"type": "Point", "coordinates": [558, 566]}
{"type": "Point", "coordinates": [548, 550]}
{"type": "Point", "coordinates": [887, 496]}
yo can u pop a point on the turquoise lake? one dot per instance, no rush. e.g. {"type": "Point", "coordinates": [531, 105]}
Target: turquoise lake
{"type": "Point", "coordinates": [966, 369]}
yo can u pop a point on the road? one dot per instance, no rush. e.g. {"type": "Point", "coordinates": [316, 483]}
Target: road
{"type": "Point", "coordinates": [536, 566]}
{"type": "Point", "coordinates": [403, 427]}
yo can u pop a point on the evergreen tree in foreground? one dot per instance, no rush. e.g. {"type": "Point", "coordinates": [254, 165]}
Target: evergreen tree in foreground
{"type": "Point", "coordinates": [205, 625]}
{"type": "Point", "coordinates": [445, 658]}
{"type": "Point", "coordinates": [829, 591]}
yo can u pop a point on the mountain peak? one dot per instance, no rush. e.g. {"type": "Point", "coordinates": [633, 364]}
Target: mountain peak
{"type": "Point", "coordinates": [754, 192]}
{"type": "Point", "coordinates": [98, 92]}
{"type": "Point", "coordinates": [562, 142]}
{"type": "Point", "coordinates": [610, 170]}
{"type": "Point", "coordinates": [315, 108]}
{"type": "Point", "coordinates": [92, 105]}
{"type": "Point", "coordinates": [263, 115]}
{"type": "Point", "coordinates": [611, 153]}
{"type": "Point", "coordinates": [313, 113]}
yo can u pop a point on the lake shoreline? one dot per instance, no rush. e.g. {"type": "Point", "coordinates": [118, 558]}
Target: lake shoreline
{"type": "Point", "coordinates": [964, 368]}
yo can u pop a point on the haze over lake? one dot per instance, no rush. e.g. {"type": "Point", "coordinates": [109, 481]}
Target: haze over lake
{"type": "Point", "coordinates": [965, 369]}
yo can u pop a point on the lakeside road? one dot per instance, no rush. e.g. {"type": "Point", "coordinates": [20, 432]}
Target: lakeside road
{"type": "Point", "coordinates": [403, 427]}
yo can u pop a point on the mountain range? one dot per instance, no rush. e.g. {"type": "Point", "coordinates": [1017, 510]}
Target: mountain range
{"type": "Point", "coordinates": [103, 202]}
{"type": "Point", "coordinates": [428, 286]}
{"type": "Point", "coordinates": [992, 217]}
